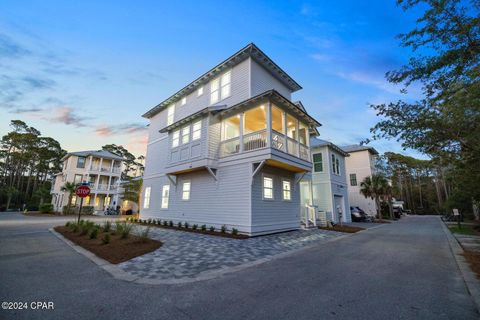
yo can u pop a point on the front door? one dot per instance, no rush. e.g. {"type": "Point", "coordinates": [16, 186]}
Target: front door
{"type": "Point", "coordinates": [339, 208]}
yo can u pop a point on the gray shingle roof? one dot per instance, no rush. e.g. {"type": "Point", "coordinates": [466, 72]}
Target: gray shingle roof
{"type": "Point", "coordinates": [95, 153]}
{"type": "Point", "coordinates": [357, 147]}
{"type": "Point", "coordinates": [315, 142]}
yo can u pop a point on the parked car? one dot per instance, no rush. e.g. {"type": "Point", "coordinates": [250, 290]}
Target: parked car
{"type": "Point", "coordinates": [397, 212]}
{"type": "Point", "coordinates": [358, 215]}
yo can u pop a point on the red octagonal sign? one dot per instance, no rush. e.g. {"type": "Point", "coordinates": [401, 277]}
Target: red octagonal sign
{"type": "Point", "coordinates": [82, 191]}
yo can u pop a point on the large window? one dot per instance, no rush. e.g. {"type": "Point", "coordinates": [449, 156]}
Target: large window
{"type": "Point", "coordinates": [255, 119]}
{"type": "Point", "coordinates": [317, 162]}
{"type": "Point", "coordinates": [267, 187]}
{"type": "Point", "coordinates": [197, 130]}
{"type": "Point", "coordinates": [186, 190]}
{"type": "Point", "coordinates": [231, 127]}
{"type": "Point", "coordinates": [165, 195]}
{"type": "Point", "coordinates": [287, 191]}
{"type": "Point", "coordinates": [353, 179]}
{"type": "Point", "coordinates": [185, 134]}
{"type": "Point", "coordinates": [77, 179]}
{"type": "Point", "coordinates": [175, 138]}
{"type": "Point", "coordinates": [220, 87]}
{"type": "Point", "coordinates": [291, 127]}
{"type": "Point", "coordinates": [303, 133]}
{"type": "Point", "coordinates": [81, 162]}
{"type": "Point", "coordinates": [277, 119]}
{"type": "Point", "coordinates": [146, 198]}
{"type": "Point", "coordinates": [170, 114]}
{"type": "Point", "coordinates": [335, 164]}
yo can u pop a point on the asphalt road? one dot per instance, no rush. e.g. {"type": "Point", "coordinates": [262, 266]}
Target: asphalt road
{"type": "Point", "coordinates": [403, 270]}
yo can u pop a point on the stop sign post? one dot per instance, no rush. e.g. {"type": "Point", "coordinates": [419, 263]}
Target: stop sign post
{"type": "Point", "coordinates": [82, 191]}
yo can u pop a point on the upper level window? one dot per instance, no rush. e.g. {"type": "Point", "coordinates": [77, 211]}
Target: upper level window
{"type": "Point", "coordinates": [286, 188]}
{"type": "Point", "coordinates": [146, 198]}
{"type": "Point", "coordinates": [197, 130]}
{"type": "Point", "coordinates": [185, 134]}
{"type": "Point", "coordinates": [353, 179]}
{"type": "Point", "coordinates": [77, 179]}
{"type": "Point", "coordinates": [302, 133]}
{"type": "Point", "coordinates": [175, 138]}
{"type": "Point", "coordinates": [267, 188]}
{"type": "Point", "coordinates": [186, 190]}
{"type": "Point", "coordinates": [81, 162]}
{"type": "Point", "coordinates": [317, 162]}
{"type": "Point", "coordinates": [183, 101]}
{"type": "Point", "coordinates": [255, 119]}
{"type": "Point", "coordinates": [220, 87]}
{"type": "Point", "coordinates": [291, 127]}
{"type": "Point", "coordinates": [200, 91]}
{"type": "Point", "coordinates": [170, 114]}
{"type": "Point", "coordinates": [231, 127]}
{"type": "Point", "coordinates": [277, 119]}
{"type": "Point", "coordinates": [335, 164]}
{"type": "Point", "coordinates": [165, 196]}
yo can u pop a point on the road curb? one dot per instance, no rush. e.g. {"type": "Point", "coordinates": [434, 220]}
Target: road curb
{"type": "Point", "coordinates": [120, 274]}
{"type": "Point", "coordinates": [471, 282]}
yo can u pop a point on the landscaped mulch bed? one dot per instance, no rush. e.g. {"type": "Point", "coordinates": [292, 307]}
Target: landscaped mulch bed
{"type": "Point", "coordinates": [347, 229]}
{"type": "Point", "coordinates": [473, 258]}
{"type": "Point", "coordinates": [381, 221]}
{"type": "Point", "coordinates": [118, 250]}
{"type": "Point", "coordinates": [207, 232]}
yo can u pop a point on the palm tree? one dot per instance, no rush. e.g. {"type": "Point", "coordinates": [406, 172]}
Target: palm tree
{"type": "Point", "coordinates": [375, 187]}
{"type": "Point", "coordinates": [70, 188]}
{"type": "Point", "coordinates": [42, 194]}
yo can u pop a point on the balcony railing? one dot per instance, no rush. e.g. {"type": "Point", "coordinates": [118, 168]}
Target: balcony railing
{"type": "Point", "coordinates": [102, 187]}
{"type": "Point", "coordinates": [117, 169]}
{"type": "Point", "coordinates": [255, 140]}
{"type": "Point", "coordinates": [278, 140]}
{"type": "Point", "coordinates": [304, 152]}
{"type": "Point", "coordinates": [230, 146]}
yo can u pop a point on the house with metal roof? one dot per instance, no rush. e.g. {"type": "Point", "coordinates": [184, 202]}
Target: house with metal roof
{"type": "Point", "coordinates": [326, 187]}
{"type": "Point", "coordinates": [359, 165]}
{"type": "Point", "coordinates": [229, 149]}
{"type": "Point", "coordinates": [101, 169]}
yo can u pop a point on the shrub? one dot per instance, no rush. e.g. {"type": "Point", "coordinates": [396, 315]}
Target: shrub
{"type": "Point", "coordinates": [144, 234]}
{"type": "Point", "coordinates": [179, 224]}
{"type": "Point", "coordinates": [194, 227]}
{"type": "Point", "coordinates": [170, 223]}
{"type": "Point", "coordinates": [94, 232]}
{"type": "Point", "coordinates": [46, 208]}
{"type": "Point", "coordinates": [107, 226]}
{"type": "Point", "coordinates": [67, 224]}
{"type": "Point", "coordinates": [135, 220]}
{"type": "Point", "coordinates": [186, 225]}
{"type": "Point", "coordinates": [88, 210]}
{"type": "Point", "coordinates": [106, 238]}
{"type": "Point", "coordinates": [159, 222]}
{"type": "Point", "coordinates": [72, 210]}
{"type": "Point", "coordinates": [75, 227]}
{"type": "Point", "coordinates": [234, 231]}
{"type": "Point", "coordinates": [118, 227]}
{"type": "Point", "coordinates": [212, 229]}
{"type": "Point", "coordinates": [204, 227]}
{"type": "Point", "coordinates": [223, 229]}
{"type": "Point", "coordinates": [127, 229]}
{"type": "Point", "coordinates": [149, 221]}
{"type": "Point", "coordinates": [165, 223]}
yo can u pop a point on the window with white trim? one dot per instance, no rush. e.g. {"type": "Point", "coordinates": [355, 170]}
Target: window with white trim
{"type": "Point", "coordinates": [175, 138]}
{"type": "Point", "coordinates": [200, 91]}
{"type": "Point", "coordinates": [287, 191]}
{"type": "Point", "coordinates": [170, 114]}
{"type": "Point", "coordinates": [146, 198]}
{"type": "Point", "coordinates": [267, 187]}
{"type": "Point", "coordinates": [220, 87]}
{"type": "Point", "coordinates": [317, 162]}
{"type": "Point", "coordinates": [186, 190]}
{"type": "Point", "coordinates": [353, 179]}
{"type": "Point", "coordinates": [183, 101]}
{"type": "Point", "coordinates": [197, 130]}
{"type": "Point", "coordinates": [165, 196]}
{"type": "Point", "coordinates": [335, 165]}
{"type": "Point", "coordinates": [185, 134]}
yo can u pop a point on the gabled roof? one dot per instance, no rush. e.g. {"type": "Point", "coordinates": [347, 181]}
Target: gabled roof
{"type": "Point", "coordinates": [250, 50]}
{"type": "Point", "coordinates": [95, 153]}
{"type": "Point", "coordinates": [300, 105]}
{"type": "Point", "coordinates": [357, 147]}
{"type": "Point", "coordinates": [315, 142]}
{"type": "Point", "coordinates": [275, 96]}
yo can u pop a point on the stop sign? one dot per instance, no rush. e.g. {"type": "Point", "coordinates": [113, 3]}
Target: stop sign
{"type": "Point", "coordinates": [82, 191]}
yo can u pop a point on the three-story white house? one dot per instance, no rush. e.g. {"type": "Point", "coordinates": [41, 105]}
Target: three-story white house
{"type": "Point", "coordinates": [229, 149]}
{"type": "Point", "coordinates": [359, 165]}
{"type": "Point", "coordinates": [99, 168]}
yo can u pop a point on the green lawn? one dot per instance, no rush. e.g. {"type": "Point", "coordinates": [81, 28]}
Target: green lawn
{"type": "Point", "coordinates": [465, 229]}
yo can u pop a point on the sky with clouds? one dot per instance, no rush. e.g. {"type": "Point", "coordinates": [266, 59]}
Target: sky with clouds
{"type": "Point", "coordinates": [83, 72]}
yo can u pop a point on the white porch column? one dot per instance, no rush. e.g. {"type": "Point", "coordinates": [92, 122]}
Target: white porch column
{"type": "Point", "coordinates": [297, 145]}
{"type": "Point", "coordinates": [100, 165]}
{"type": "Point", "coordinates": [269, 124]}
{"type": "Point", "coordinates": [94, 201]}
{"type": "Point", "coordinates": [242, 119]}
{"type": "Point", "coordinates": [111, 166]}
{"type": "Point", "coordinates": [285, 131]}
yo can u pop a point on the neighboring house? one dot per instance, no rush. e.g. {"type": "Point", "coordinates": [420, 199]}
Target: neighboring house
{"type": "Point", "coordinates": [359, 165]}
{"type": "Point", "coordinates": [328, 181]}
{"type": "Point", "coordinates": [101, 169]}
{"type": "Point", "coordinates": [229, 149]}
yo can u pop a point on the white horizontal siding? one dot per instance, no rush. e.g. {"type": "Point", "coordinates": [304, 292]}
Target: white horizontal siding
{"type": "Point", "coordinates": [262, 80]}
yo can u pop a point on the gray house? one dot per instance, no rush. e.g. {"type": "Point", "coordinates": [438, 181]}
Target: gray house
{"type": "Point", "coordinates": [229, 149]}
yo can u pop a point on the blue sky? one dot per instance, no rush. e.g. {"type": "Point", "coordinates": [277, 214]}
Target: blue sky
{"type": "Point", "coordinates": [83, 72]}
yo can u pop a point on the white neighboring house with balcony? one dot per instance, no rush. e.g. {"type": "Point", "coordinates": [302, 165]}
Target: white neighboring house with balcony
{"type": "Point", "coordinates": [327, 184]}
{"type": "Point", "coordinates": [101, 169]}
{"type": "Point", "coordinates": [229, 149]}
{"type": "Point", "coordinates": [359, 165]}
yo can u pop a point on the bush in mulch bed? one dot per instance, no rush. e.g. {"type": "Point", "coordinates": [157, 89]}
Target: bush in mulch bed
{"type": "Point", "coordinates": [112, 246]}
{"type": "Point", "coordinates": [339, 228]}
{"type": "Point", "coordinates": [473, 259]}
{"type": "Point", "coordinates": [195, 229]}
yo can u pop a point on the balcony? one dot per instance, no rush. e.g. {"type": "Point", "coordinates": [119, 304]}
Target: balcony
{"type": "Point", "coordinates": [259, 140]}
